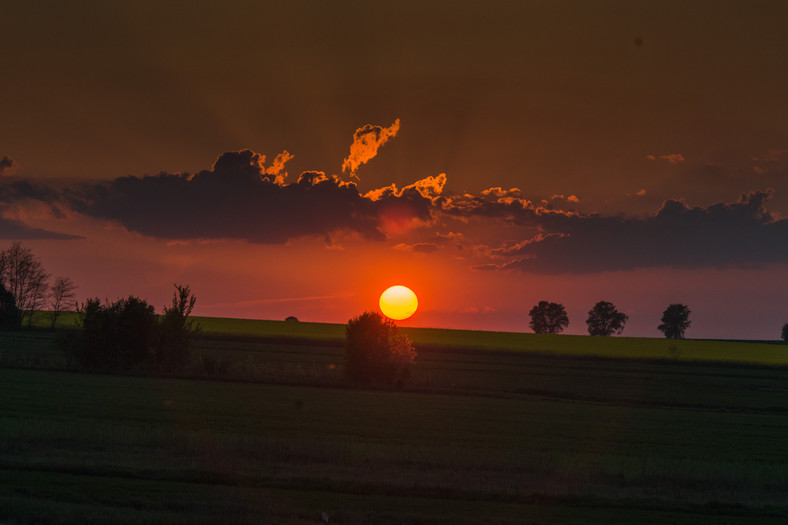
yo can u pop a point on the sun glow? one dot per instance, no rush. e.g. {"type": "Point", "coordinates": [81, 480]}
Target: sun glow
{"type": "Point", "coordinates": [398, 303]}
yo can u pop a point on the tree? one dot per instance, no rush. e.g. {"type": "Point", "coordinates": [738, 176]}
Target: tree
{"type": "Point", "coordinates": [118, 337]}
{"type": "Point", "coordinates": [375, 352]}
{"type": "Point", "coordinates": [10, 318]}
{"type": "Point", "coordinates": [61, 297]}
{"type": "Point", "coordinates": [785, 332]}
{"type": "Point", "coordinates": [175, 331]}
{"type": "Point", "coordinates": [604, 319]}
{"type": "Point", "coordinates": [23, 274]}
{"type": "Point", "coordinates": [548, 318]}
{"type": "Point", "coordinates": [675, 320]}
{"type": "Point", "coordinates": [127, 335]}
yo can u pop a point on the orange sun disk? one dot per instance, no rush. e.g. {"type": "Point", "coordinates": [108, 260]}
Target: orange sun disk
{"type": "Point", "coordinates": [398, 303]}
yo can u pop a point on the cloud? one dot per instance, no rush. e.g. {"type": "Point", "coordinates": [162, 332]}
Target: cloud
{"type": "Point", "coordinates": [239, 198]}
{"type": "Point", "coordinates": [278, 166]}
{"type": "Point", "coordinates": [7, 164]}
{"type": "Point", "coordinates": [498, 205]}
{"type": "Point", "coordinates": [428, 187]}
{"type": "Point", "coordinates": [571, 198]}
{"type": "Point", "coordinates": [12, 229]}
{"type": "Point", "coordinates": [366, 141]}
{"type": "Point", "coordinates": [18, 191]}
{"type": "Point", "coordinates": [740, 233]}
{"type": "Point", "coordinates": [673, 158]}
{"type": "Point", "coordinates": [14, 198]}
{"type": "Point", "coordinates": [419, 247]}
{"type": "Point", "coordinates": [498, 193]}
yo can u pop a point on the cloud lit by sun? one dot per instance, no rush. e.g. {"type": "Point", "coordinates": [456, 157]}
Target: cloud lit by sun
{"type": "Point", "coordinates": [366, 141]}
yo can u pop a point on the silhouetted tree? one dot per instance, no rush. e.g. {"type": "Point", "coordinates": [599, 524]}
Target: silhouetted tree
{"type": "Point", "coordinates": [675, 320]}
{"type": "Point", "coordinates": [604, 319]}
{"type": "Point", "coordinates": [785, 332]}
{"type": "Point", "coordinates": [548, 318]}
{"type": "Point", "coordinates": [116, 337]}
{"type": "Point", "coordinates": [374, 352]}
{"type": "Point", "coordinates": [176, 331]}
{"type": "Point", "coordinates": [61, 297]}
{"type": "Point", "coordinates": [127, 335]}
{"type": "Point", "coordinates": [23, 274]}
{"type": "Point", "coordinates": [10, 318]}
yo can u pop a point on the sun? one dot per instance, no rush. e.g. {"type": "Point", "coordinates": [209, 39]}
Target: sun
{"type": "Point", "coordinates": [398, 303]}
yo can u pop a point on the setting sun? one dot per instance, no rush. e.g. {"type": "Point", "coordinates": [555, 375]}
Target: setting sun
{"type": "Point", "coordinates": [398, 303]}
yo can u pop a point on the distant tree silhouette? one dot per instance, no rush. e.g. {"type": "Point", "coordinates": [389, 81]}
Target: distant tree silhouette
{"type": "Point", "coordinates": [675, 320]}
{"type": "Point", "coordinates": [10, 317]}
{"type": "Point", "coordinates": [127, 335]}
{"type": "Point", "coordinates": [291, 318]}
{"type": "Point", "coordinates": [118, 337]}
{"type": "Point", "coordinates": [175, 331]}
{"type": "Point", "coordinates": [604, 319]}
{"type": "Point", "coordinates": [61, 298]}
{"type": "Point", "coordinates": [23, 274]}
{"type": "Point", "coordinates": [548, 318]}
{"type": "Point", "coordinates": [785, 332]}
{"type": "Point", "coordinates": [374, 352]}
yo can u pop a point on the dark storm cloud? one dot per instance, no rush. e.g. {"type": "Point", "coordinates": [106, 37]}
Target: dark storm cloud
{"type": "Point", "coordinates": [15, 194]}
{"type": "Point", "coordinates": [725, 234]}
{"type": "Point", "coordinates": [21, 190]}
{"type": "Point", "coordinates": [501, 204]}
{"type": "Point", "coordinates": [11, 229]}
{"type": "Point", "coordinates": [6, 164]}
{"type": "Point", "coordinates": [238, 198]}
{"type": "Point", "coordinates": [241, 198]}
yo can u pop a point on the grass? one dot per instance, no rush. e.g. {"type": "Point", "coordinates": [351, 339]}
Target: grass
{"type": "Point", "coordinates": [123, 446]}
{"type": "Point", "coordinates": [436, 338]}
{"type": "Point", "coordinates": [576, 345]}
{"type": "Point", "coordinates": [481, 434]}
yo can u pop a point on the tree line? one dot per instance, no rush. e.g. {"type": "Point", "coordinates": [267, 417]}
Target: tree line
{"type": "Point", "coordinates": [604, 319]}
{"type": "Point", "coordinates": [26, 287]}
{"type": "Point", "coordinates": [127, 335]}
{"type": "Point", "coordinates": [120, 336]}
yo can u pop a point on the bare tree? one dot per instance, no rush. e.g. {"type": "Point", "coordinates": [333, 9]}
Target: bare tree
{"type": "Point", "coordinates": [23, 274]}
{"type": "Point", "coordinates": [61, 297]}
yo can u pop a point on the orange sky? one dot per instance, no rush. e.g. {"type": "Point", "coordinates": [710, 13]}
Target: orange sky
{"type": "Point", "coordinates": [567, 151]}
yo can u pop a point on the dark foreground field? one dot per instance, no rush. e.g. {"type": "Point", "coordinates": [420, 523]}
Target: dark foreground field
{"type": "Point", "coordinates": [477, 437]}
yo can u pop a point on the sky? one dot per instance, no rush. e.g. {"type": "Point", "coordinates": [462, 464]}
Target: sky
{"type": "Point", "coordinates": [298, 158]}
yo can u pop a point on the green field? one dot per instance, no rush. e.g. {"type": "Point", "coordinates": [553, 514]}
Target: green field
{"type": "Point", "coordinates": [435, 338]}
{"type": "Point", "coordinates": [617, 347]}
{"type": "Point", "coordinates": [522, 429]}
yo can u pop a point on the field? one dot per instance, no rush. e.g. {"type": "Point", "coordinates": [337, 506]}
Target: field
{"type": "Point", "coordinates": [434, 338]}
{"type": "Point", "coordinates": [491, 428]}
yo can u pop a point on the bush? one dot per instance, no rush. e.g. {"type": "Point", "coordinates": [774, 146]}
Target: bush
{"type": "Point", "coordinates": [127, 335]}
{"type": "Point", "coordinates": [175, 332]}
{"type": "Point", "coordinates": [10, 316]}
{"type": "Point", "coordinates": [375, 353]}
{"type": "Point", "coordinates": [116, 337]}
